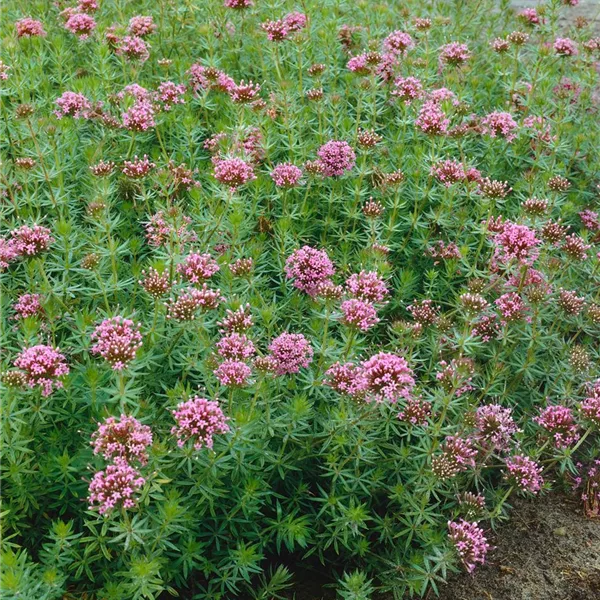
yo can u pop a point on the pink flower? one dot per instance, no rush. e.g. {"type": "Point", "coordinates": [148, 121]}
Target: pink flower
{"type": "Point", "coordinates": [102, 168]}
{"type": "Point", "coordinates": [29, 27]}
{"type": "Point", "coordinates": [233, 373]}
{"type": "Point", "coordinates": [236, 346]}
{"type": "Point", "coordinates": [368, 286]}
{"type": "Point", "coordinates": [295, 21]}
{"type": "Point", "coordinates": [415, 412]}
{"type": "Point", "coordinates": [590, 220]}
{"type": "Point", "coordinates": [87, 6]}
{"type": "Point", "coordinates": [134, 48]}
{"type": "Point", "coordinates": [424, 312]}
{"type": "Point", "coordinates": [570, 302]}
{"type": "Point", "coordinates": [516, 243]}
{"type": "Point", "coordinates": [388, 377]}
{"type": "Point", "coordinates": [359, 314]}
{"type": "Point", "coordinates": [233, 172]}
{"type": "Point", "coordinates": [156, 284]}
{"type": "Point", "coordinates": [559, 422]}
{"type": "Point", "coordinates": [139, 116]}
{"type": "Point", "coordinates": [524, 473]}
{"type": "Point", "coordinates": [4, 69]}
{"type": "Point", "coordinates": [243, 92]}
{"type": "Point", "coordinates": [8, 253]}
{"type": "Point", "coordinates": [42, 365]}
{"type": "Point", "coordinates": [458, 455]}
{"type": "Point", "coordinates": [495, 425]}
{"type": "Point", "coordinates": [141, 26]}
{"type": "Point", "coordinates": [138, 167]}
{"type": "Point", "coordinates": [309, 268]}
{"type": "Point", "coordinates": [31, 241]}
{"type": "Point", "coordinates": [398, 42]}
{"type": "Point", "coordinates": [291, 352]}
{"type": "Point", "coordinates": [565, 47]}
{"type": "Point", "coordinates": [192, 300]}
{"type": "Point", "coordinates": [81, 24]}
{"type": "Point", "coordinates": [125, 438]}
{"type": "Point", "coordinates": [469, 541]}
{"type": "Point", "coordinates": [204, 78]}
{"type": "Point", "coordinates": [575, 247]}
{"type": "Point", "coordinates": [236, 321]}
{"type": "Point", "coordinates": [197, 267]}
{"type": "Point", "coordinates": [407, 89]}
{"type": "Point", "coordinates": [28, 305]}
{"type": "Point", "coordinates": [117, 341]}
{"type": "Point", "coordinates": [454, 53]}
{"type": "Point", "coordinates": [347, 379]}
{"type": "Point", "coordinates": [511, 307]}
{"type": "Point", "coordinates": [276, 31]}
{"type": "Point", "coordinates": [449, 171]}
{"type": "Point", "coordinates": [160, 232]}
{"type": "Point", "coordinates": [499, 124]}
{"type": "Point", "coordinates": [238, 4]}
{"type": "Point", "coordinates": [590, 407]}
{"type": "Point", "coordinates": [170, 94]}
{"type": "Point", "coordinates": [432, 119]}
{"type": "Point", "coordinates": [114, 487]}
{"type": "Point", "coordinates": [336, 158]}
{"type": "Point", "coordinates": [71, 104]}
{"type": "Point", "coordinates": [286, 175]}
{"type": "Point", "coordinates": [530, 16]}
{"type": "Point", "coordinates": [198, 420]}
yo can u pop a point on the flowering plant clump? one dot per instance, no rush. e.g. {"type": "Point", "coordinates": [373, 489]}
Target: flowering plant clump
{"type": "Point", "coordinates": [291, 282]}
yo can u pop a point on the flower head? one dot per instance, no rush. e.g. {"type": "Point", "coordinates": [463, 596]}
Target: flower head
{"type": "Point", "coordinates": [124, 438]}
{"type": "Point", "coordinates": [198, 420]}
{"type": "Point", "coordinates": [117, 341]}
{"type": "Point", "coordinates": [114, 487]}
{"type": "Point", "coordinates": [42, 366]}
{"type": "Point", "coordinates": [469, 541]}
{"type": "Point", "coordinates": [291, 352]}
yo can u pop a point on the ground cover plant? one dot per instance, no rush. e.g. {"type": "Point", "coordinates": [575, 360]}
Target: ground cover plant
{"type": "Point", "coordinates": [290, 284]}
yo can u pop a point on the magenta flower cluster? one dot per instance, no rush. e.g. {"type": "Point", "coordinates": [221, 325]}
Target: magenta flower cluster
{"type": "Point", "coordinates": [117, 341]}
{"type": "Point", "coordinates": [42, 366]}
{"type": "Point", "coordinates": [198, 420]}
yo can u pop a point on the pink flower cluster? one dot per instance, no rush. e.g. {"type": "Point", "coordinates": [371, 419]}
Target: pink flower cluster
{"type": "Point", "coordinates": [560, 423]}
{"type": "Point", "coordinates": [138, 167]}
{"type": "Point", "coordinates": [29, 27]}
{"type": "Point", "coordinates": [81, 24]}
{"type": "Point", "coordinates": [499, 124]}
{"type": "Point", "coordinates": [451, 171]}
{"type": "Point", "coordinates": [495, 426]}
{"type": "Point", "coordinates": [125, 438]}
{"type": "Point", "coordinates": [117, 341]}
{"type": "Point", "coordinates": [524, 473]}
{"type": "Point", "coordinates": [170, 94]}
{"type": "Point", "coordinates": [191, 300]}
{"type": "Point", "coordinates": [454, 53]}
{"type": "Point", "coordinates": [237, 321]}
{"type": "Point", "coordinates": [28, 305]}
{"type": "Point", "coordinates": [139, 116]}
{"type": "Point", "coordinates": [160, 232]}
{"type": "Point", "coordinates": [198, 420]}
{"type": "Point", "coordinates": [42, 366]}
{"type": "Point", "coordinates": [469, 541]}
{"type": "Point", "coordinates": [387, 377]}
{"type": "Point", "coordinates": [407, 89]}
{"type": "Point", "coordinates": [516, 243]}
{"type": "Point", "coordinates": [565, 47]}
{"type": "Point", "coordinates": [433, 121]}
{"type": "Point", "coordinates": [511, 307]}
{"type": "Point", "coordinates": [115, 487]}
{"type": "Point", "coordinates": [31, 241]}
{"type": "Point", "coordinates": [290, 353]}
{"type": "Point", "coordinates": [156, 284]}
{"type": "Point", "coordinates": [233, 172]}
{"type": "Point", "coordinates": [282, 29]}
{"type": "Point", "coordinates": [359, 314]}
{"type": "Point", "coordinates": [141, 26]}
{"type": "Point", "coordinates": [286, 175]}
{"type": "Point", "coordinates": [197, 267]}
{"type": "Point", "coordinates": [458, 455]}
{"type": "Point", "coordinates": [134, 48]}
{"type": "Point", "coordinates": [590, 407]}
{"type": "Point", "coordinates": [335, 158]}
{"type": "Point", "coordinates": [72, 104]}
{"type": "Point", "coordinates": [309, 268]}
